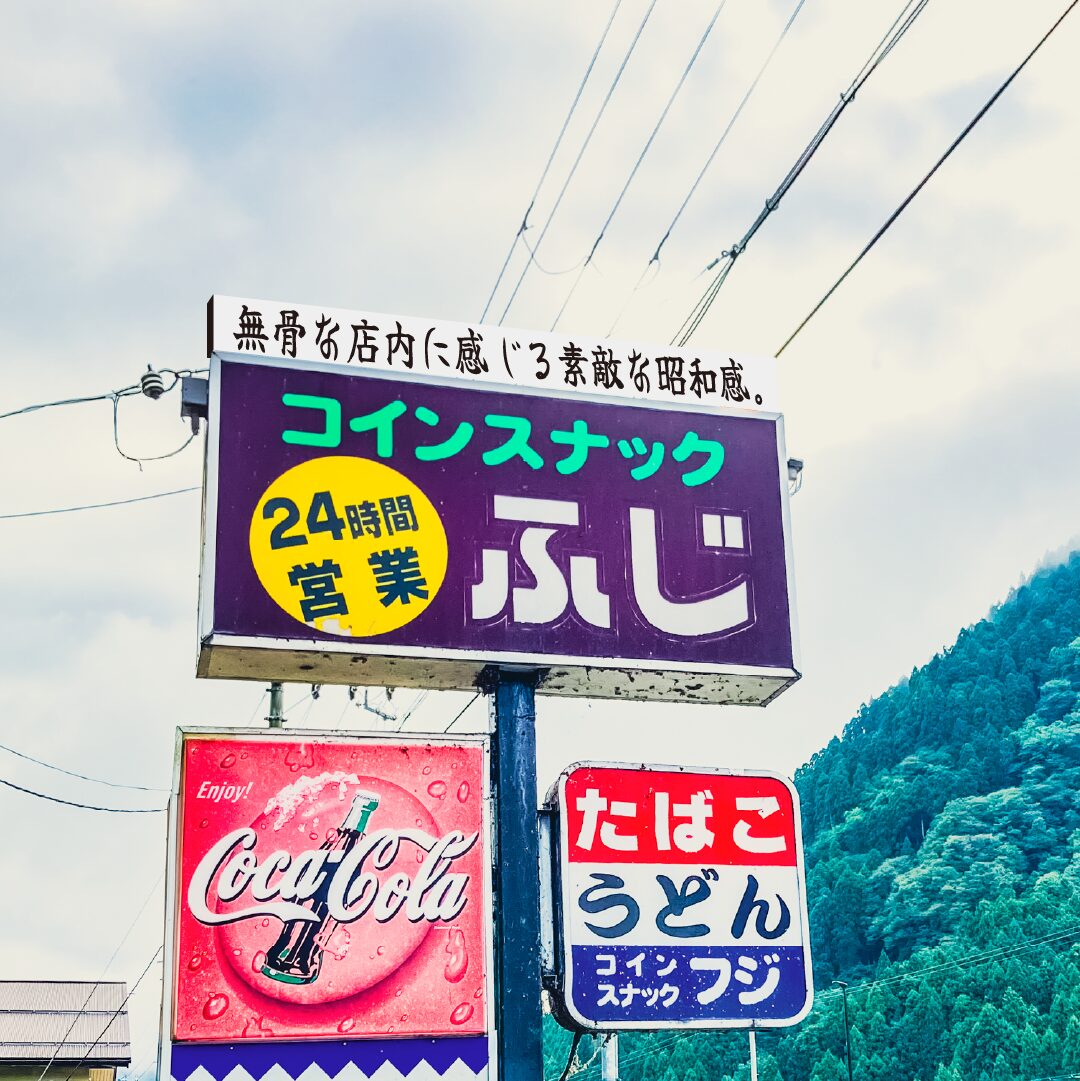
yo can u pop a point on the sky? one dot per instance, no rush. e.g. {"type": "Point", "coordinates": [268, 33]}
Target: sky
{"type": "Point", "coordinates": [380, 156]}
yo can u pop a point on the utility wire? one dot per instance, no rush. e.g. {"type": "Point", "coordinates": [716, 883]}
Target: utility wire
{"type": "Point", "coordinates": [72, 773]}
{"type": "Point", "coordinates": [97, 983]}
{"type": "Point", "coordinates": [641, 157]}
{"type": "Point", "coordinates": [926, 179]}
{"type": "Point", "coordinates": [547, 166]}
{"type": "Point", "coordinates": [97, 506]}
{"type": "Point", "coordinates": [462, 713]}
{"type": "Point", "coordinates": [133, 458]}
{"type": "Point", "coordinates": [982, 957]}
{"type": "Point", "coordinates": [411, 710]}
{"type": "Point", "coordinates": [112, 394]}
{"type": "Point", "coordinates": [84, 806]}
{"type": "Point", "coordinates": [901, 25]}
{"type": "Point", "coordinates": [577, 160]}
{"type": "Point", "coordinates": [655, 259]}
{"type": "Point", "coordinates": [119, 1009]}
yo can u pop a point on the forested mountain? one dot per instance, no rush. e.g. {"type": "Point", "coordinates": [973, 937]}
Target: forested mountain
{"type": "Point", "coordinates": [943, 862]}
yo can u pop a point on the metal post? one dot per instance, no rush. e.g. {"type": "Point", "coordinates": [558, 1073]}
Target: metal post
{"type": "Point", "coordinates": [519, 1016]}
{"type": "Point", "coordinates": [753, 1055]}
{"type": "Point", "coordinates": [276, 718]}
{"type": "Point", "coordinates": [847, 1025]}
{"type": "Point", "coordinates": [609, 1058]}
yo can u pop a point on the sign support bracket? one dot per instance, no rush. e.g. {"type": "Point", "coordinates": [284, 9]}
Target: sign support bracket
{"type": "Point", "coordinates": [519, 1015]}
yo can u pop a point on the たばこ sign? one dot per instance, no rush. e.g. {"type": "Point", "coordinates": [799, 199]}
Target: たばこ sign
{"type": "Point", "coordinates": [683, 899]}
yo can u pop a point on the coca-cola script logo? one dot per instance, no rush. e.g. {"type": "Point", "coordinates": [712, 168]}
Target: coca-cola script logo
{"type": "Point", "coordinates": [336, 889]}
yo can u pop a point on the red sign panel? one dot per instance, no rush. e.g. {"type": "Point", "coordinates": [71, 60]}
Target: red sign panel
{"type": "Point", "coordinates": [330, 888]}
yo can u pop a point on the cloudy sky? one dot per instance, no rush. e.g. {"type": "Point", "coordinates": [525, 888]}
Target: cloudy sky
{"type": "Point", "coordinates": [380, 156]}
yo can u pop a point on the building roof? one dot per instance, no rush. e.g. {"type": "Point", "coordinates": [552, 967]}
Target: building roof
{"type": "Point", "coordinates": [73, 1020]}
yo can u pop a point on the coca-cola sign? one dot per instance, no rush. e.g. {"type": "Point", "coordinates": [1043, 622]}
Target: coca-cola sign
{"type": "Point", "coordinates": [330, 887]}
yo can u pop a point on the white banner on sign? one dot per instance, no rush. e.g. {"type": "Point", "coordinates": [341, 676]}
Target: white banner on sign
{"type": "Point", "coordinates": [717, 913]}
{"type": "Point", "coordinates": [488, 354]}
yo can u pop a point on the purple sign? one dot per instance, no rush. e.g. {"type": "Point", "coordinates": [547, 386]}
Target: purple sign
{"type": "Point", "coordinates": [373, 528]}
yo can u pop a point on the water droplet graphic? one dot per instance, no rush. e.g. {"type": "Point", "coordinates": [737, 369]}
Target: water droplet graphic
{"type": "Point", "coordinates": [196, 962]}
{"type": "Point", "coordinates": [313, 836]}
{"type": "Point", "coordinates": [437, 789]}
{"type": "Point", "coordinates": [463, 792]}
{"type": "Point", "coordinates": [478, 992]}
{"type": "Point", "coordinates": [266, 922]}
{"type": "Point", "coordinates": [258, 961]}
{"type": "Point", "coordinates": [228, 760]}
{"type": "Point", "coordinates": [398, 992]}
{"type": "Point", "coordinates": [243, 754]}
{"type": "Point", "coordinates": [404, 1017]}
{"type": "Point", "coordinates": [204, 823]}
{"type": "Point", "coordinates": [461, 1013]}
{"type": "Point", "coordinates": [381, 950]}
{"type": "Point", "coordinates": [426, 770]}
{"type": "Point", "coordinates": [215, 1006]}
{"type": "Point", "coordinates": [236, 953]}
{"type": "Point", "coordinates": [257, 1026]}
{"type": "Point", "coordinates": [459, 957]}
{"type": "Point", "coordinates": [347, 1025]}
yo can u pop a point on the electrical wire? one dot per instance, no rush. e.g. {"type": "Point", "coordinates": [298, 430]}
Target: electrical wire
{"type": "Point", "coordinates": [655, 259]}
{"type": "Point", "coordinates": [412, 709]}
{"type": "Point", "coordinates": [640, 158]}
{"type": "Point", "coordinates": [97, 506]}
{"type": "Point", "coordinates": [72, 773]}
{"type": "Point", "coordinates": [570, 1058]}
{"type": "Point", "coordinates": [119, 1010]}
{"type": "Point", "coordinates": [123, 392]}
{"type": "Point", "coordinates": [911, 10]}
{"type": "Point", "coordinates": [84, 806]}
{"type": "Point", "coordinates": [463, 709]}
{"type": "Point", "coordinates": [132, 458]}
{"type": "Point", "coordinates": [519, 235]}
{"type": "Point", "coordinates": [972, 960]}
{"type": "Point", "coordinates": [577, 161]}
{"type": "Point", "coordinates": [926, 179]}
{"type": "Point", "coordinates": [97, 983]}
{"type": "Point", "coordinates": [258, 706]}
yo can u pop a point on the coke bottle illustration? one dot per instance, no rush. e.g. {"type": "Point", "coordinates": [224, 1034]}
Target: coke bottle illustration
{"type": "Point", "coordinates": [297, 954]}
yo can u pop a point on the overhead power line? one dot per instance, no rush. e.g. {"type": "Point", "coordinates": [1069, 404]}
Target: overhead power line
{"type": "Point", "coordinates": [551, 157]}
{"type": "Point", "coordinates": [577, 160]}
{"type": "Point", "coordinates": [119, 1010]}
{"type": "Point", "coordinates": [111, 394]}
{"type": "Point", "coordinates": [926, 179]}
{"type": "Point", "coordinates": [463, 711]}
{"type": "Point", "coordinates": [901, 25]}
{"type": "Point", "coordinates": [72, 773]}
{"type": "Point", "coordinates": [973, 960]}
{"type": "Point", "coordinates": [84, 806]}
{"type": "Point", "coordinates": [640, 158]}
{"type": "Point", "coordinates": [655, 259]}
{"type": "Point", "coordinates": [98, 506]}
{"type": "Point", "coordinates": [82, 1009]}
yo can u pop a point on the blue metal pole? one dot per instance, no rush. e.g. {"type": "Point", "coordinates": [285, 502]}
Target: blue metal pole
{"type": "Point", "coordinates": [519, 1015]}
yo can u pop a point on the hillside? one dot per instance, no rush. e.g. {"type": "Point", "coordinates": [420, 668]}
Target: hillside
{"type": "Point", "coordinates": [943, 854]}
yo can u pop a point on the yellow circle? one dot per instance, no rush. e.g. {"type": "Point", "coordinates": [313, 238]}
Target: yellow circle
{"type": "Point", "coordinates": [348, 546]}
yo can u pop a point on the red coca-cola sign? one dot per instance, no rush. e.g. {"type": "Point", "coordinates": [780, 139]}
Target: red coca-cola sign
{"type": "Point", "coordinates": [330, 887]}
